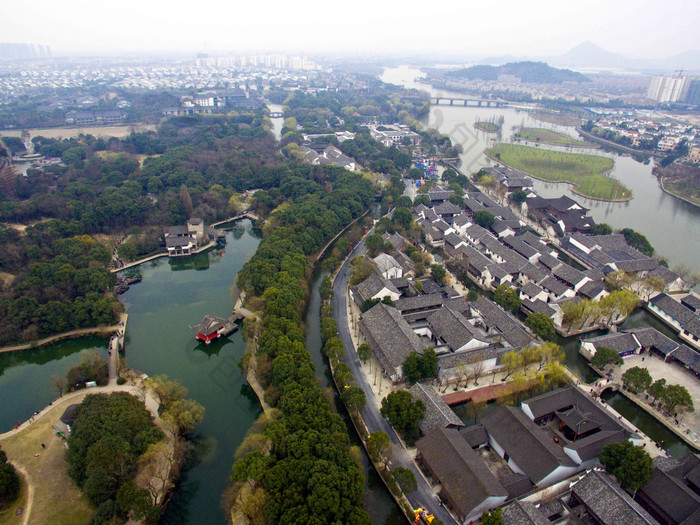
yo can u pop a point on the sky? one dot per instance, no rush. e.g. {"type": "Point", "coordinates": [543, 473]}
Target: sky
{"type": "Point", "coordinates": [633, 28]}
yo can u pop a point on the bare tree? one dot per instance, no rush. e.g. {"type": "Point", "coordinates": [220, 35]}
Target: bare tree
{"type": "Point", "coordinates": [59, 384]}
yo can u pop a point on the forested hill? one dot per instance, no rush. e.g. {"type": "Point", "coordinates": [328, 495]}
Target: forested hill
{"type": "Point", "coordinates": [533, 72]}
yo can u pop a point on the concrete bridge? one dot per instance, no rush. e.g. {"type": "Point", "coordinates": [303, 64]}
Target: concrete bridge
{"type": "Point", "coordinates": [468, 102]}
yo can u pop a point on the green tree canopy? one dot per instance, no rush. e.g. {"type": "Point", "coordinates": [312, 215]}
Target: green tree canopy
{"type": "Point", "coordinates": [606, 356]}
{"type": "Point", "coordinates": [507, 297]}
{"type": "Point", "coordinates": [637, 379]}
{"type": "Point", "coordinates": [630, 465]}
{"type": "Point", "coordinates": [484, 218]}
{"type": "Point", "coordinates": [541, 324]}
{"type": "Point", "coordinates": [403, 413]}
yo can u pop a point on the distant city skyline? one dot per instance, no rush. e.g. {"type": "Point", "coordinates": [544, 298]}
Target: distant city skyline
{"type": "Point", "coordinates": [644, 28]}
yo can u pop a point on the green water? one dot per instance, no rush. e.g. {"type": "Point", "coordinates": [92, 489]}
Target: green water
{"type": "Point", "coordinates": [25, 377]}
{"type": "Point", "coordinates": [174, 295]}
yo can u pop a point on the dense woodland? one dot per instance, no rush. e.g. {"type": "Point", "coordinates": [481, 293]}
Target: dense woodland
{"type": "Point", "coordinates": [309, 476]}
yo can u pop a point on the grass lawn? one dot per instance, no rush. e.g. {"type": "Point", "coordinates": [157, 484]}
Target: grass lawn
{"type": "Point", "coordinates": [56, 498]}
{"type": "Point", "coordinates": [546, 136]}
{"type": "Point", "coordinates": [585, 172]}
{"type": "Point", "coordinates": [556, 118]}
{"type": "Point", "coordinates": [488, 127]}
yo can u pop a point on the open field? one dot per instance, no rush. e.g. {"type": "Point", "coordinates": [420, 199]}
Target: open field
{"type": "Point", "coordinates": [66, 133]}
{"type": "Point", "coordinates": [56, 499]}
{"type": "Point", "coordinates": [586, 172]}
{"type": "Point", "coordinates": [555, 118]}
{"type": "Point", "coordinates": [488, 127]}
{"type": "Point", "coordinates": [547, 136]}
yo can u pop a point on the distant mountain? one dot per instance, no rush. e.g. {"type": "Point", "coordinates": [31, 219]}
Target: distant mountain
{"type": "Point", "coordinates": [533, 72]}
{"type": "Point", "coordinates": [590, 55]}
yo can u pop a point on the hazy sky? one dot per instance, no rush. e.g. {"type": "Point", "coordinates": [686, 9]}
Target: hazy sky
{"type": "Point", "coordinates": [635, 28]}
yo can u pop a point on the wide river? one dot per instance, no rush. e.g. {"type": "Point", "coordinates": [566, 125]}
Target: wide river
{"type": "Point", "coordinates": [671, 225]}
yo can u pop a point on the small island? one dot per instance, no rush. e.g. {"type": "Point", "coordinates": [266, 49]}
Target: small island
{"type": "Point", "coordinates": [587, 173]}
{"type": "Point", "coordinates": [494, 125]}
{"type": "Point", "coordinates": [547, 136]}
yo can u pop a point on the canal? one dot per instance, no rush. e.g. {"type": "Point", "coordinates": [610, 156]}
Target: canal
{"type": "Point", "coordinates": [667, 222]}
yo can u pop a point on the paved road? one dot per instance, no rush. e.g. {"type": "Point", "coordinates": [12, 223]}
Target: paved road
{"type": "Point", "coordinates": [424, 496]}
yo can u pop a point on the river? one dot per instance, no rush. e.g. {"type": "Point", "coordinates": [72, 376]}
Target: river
{"type": "Point", "coordinates": [669, 223]}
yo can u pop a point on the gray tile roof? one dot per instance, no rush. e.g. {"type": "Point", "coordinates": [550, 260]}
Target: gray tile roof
{"type": "Point", "coordinates": [422, 302]}
{"type": "Point", "coordinates": [692, 302]}
{"type": "Point", "coordinates": [671, 495]}
{"type": "Point", "coordinates": [437, 412]}
{"type": "Point", "coordinates": [447, 208]}
{"type": "Point", "coordinates": [619, 341]}
{"type": "Point", "coordinates": [454, 329]}
{"type": "Point", "coordinates": [537, 306]}
{"type": "Point", "coordinates": [373, 285]}
{"type": "Point", "coordinates": [608, 502]}
{"type": "Point", "coordinates": [461, 471]}
{"type": "Point", "coordinates": [688, 319]}
{"type": "Point", "coordinates": [523, 513]}
{"type": "Point", "coordinates": [568, 274]}
{"type": "Point", "coordinates": [526, 443]}
{"type": "Point", "coordinates": [592, 289]}
{"type": "Point", "coordinates": [475, 435]}
{"type": "Point", "coordinates": [494, 316]}
{"type": "Point", "coordinates": [390, 336]}
{"type": "Point", "coordinates": [551, 284]}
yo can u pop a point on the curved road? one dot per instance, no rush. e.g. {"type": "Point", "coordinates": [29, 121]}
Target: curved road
{"type": "Point", "coordinates": [424, 496]}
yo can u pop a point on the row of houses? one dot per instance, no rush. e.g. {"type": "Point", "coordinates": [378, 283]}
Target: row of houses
{"type": "Point", "coordinates": [635, 341]}
{"type": "Point", "coordinates": [610, 253]}
{"type": "Point", "coordinates": [462, 333]}
{"type": "Point", "coordinates": [514, 451]}
{"type": "Point", "coordinates": [329, 155]}
{"type": "Point", "coordinates": [683, 315]}
{"type": "Point", "coordinates": [507, 254]}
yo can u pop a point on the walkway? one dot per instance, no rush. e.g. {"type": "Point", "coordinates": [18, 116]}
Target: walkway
{"type": "Point", "coordinates": [140, 261]}
{"type": "Point", "coordinates": [43, 467]}
{"type": "Point", "coordinates": [398, 455]}
{"type": "Point", "coordinates": [97, 330]}
{"type": "Point", "coordinates": [116, 343]}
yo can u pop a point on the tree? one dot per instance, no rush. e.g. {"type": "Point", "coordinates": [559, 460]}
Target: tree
{"type": "Point", "coordinates": [657, 389]}
{"type": "Point", "coordinates": [420, 366]}
{"type": "Point", "coordinates": [377, 443]}
{"type": "Point", "coordinates": [165, 390]}
{"type": "Point", "coordinates": [353, 397]}
{"type": "Point", "coordinates": [511, 362]}
{"type": "Point", "coordinates": [374, 244]}
{"type": "Point", "coordinates": [136, 501]}
{"type": "Point", "coordinates": [438, 273]}
{"type": "Point", "coordinates": [9, 481]}
{"type": "Point", "coordinates": [638, 241]}
{"type": "Point", "coordinates": [630, 465]}
{"type": "Point", "coordinates": [402, 216]}
{"type": "Point", "coordinates": [484, 218]}
{"type": "Point", "coordinates": [364, 352]}
{"type": "Point", "coordinates": [601, 229]}
{"type": "Point", "coordinates": [493, 517]}
{"type": "Point", "coordinates": [403, 413]}
{"type": "Point", "coordinates": [185, 414]}
{"type": "Point", "coordinates": [677, 396]}
{"type": "Point", "coordinates": [186, 201]}
{"type": "Point", "coordinates": [507, 297]}
{"type": "Point", "coordinates": [368, 304]}
{"type": "Point", "coordinates": [649, 286]}
{"type": "Point", "coordinates": [475, 409]}
{"type": "Point", "coordinates": [361, 269]}
{"type": "Point", "coordinates": [406, 480]}
{"type": "Point", "coordinates": [606, 356]}
{"type": "Point", "coordinates": [542, 325]}
{"type": "Point", "coordinates": [637, 379]}
{"type": "Point", "coordinates": [59, 384]}
{"type": "Point", "coordinates": [618, 280]}
{"type": "Point", "coordinates": [518, 197]}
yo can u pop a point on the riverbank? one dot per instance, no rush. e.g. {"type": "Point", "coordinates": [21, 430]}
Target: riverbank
{"type": "Point", "coordinates": [613, 145]}
{"type": "Point", "coordinates": [553, 138]}
{"type": "Point", "coordinates": [72, 334]}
